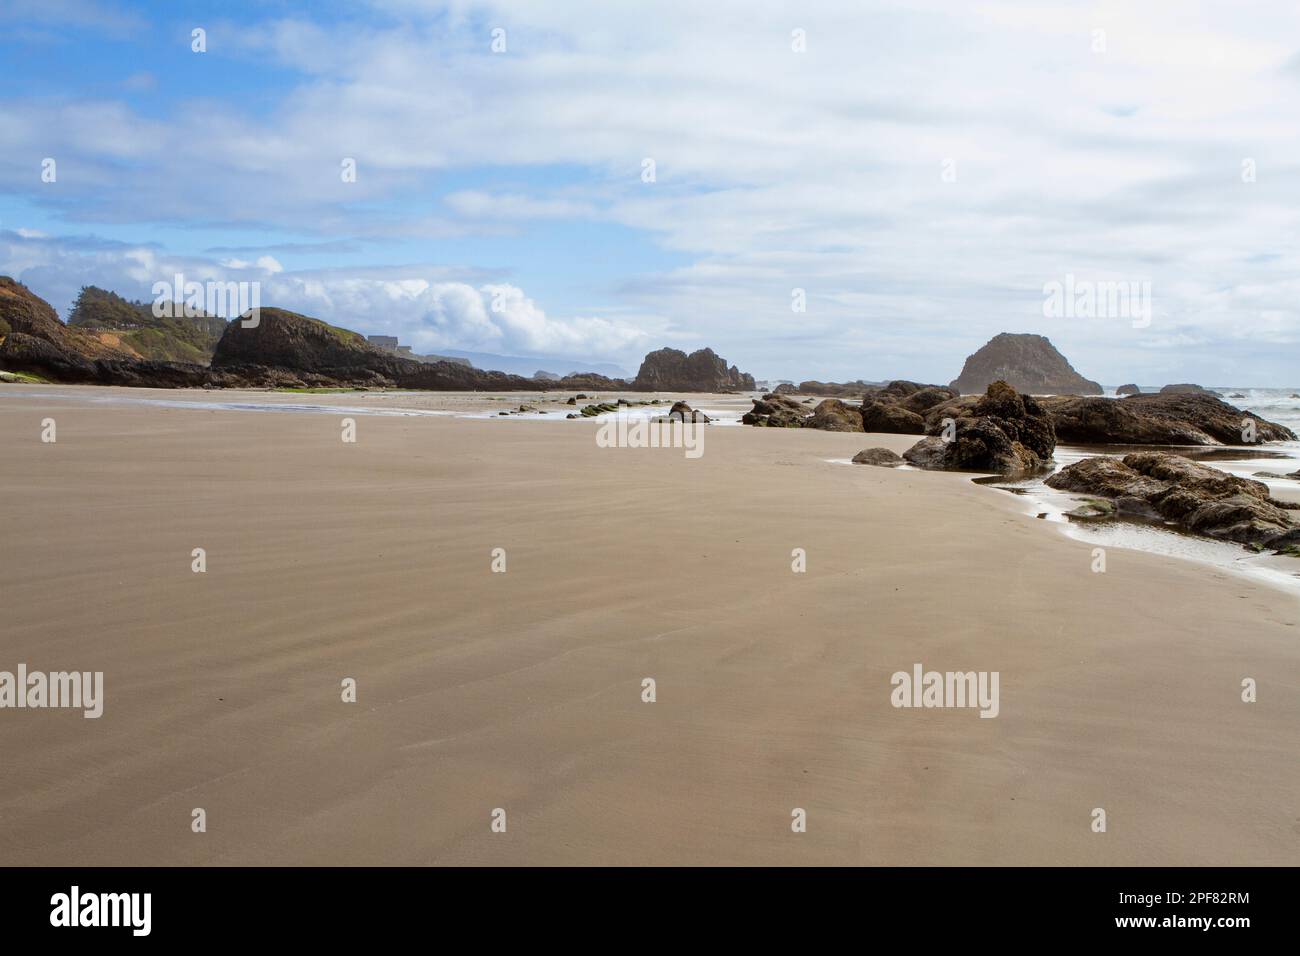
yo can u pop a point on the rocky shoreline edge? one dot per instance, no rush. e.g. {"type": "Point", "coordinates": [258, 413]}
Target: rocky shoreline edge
{"type": "Point", "coordinates": [1013, 435]}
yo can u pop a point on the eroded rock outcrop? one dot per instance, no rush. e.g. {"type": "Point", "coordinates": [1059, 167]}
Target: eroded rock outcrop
{"type": "Point", "coordinates": [682, 412]}
{"type": "Point", "coordinates": [284, 348]}
{"type": "Point", "coordinates": [891, 419]}
{"type": "Point", "coordinates": [1199, 498]}
{"type": "Point", "coordinates": [1187, 388]}
{"type": "Point", "coordinates": [1028, 363]}
{"type": "Point", "coordinates": [776, 411]}
{"type": "Point", "coordinates": [1003, 432]}
{"type": "Point", "coordinates": [289, 340]}
{"type": "Point", "coordinates": [1128, 390]}
{"type": "Point", "coordinates": [1167, 418]}
{"type": "Point", "coordinates": [672, 370]}
{"type": "Point", "coordinates": [925, 398]}
{"type": "Point", "coordinates": [828, 389]}
{"type": "Point", "coordinates": [834, 415]}
{"type": "Point", "coordinates": [896, 408]}
{"type": "Point", "coordinates": [35, 341]}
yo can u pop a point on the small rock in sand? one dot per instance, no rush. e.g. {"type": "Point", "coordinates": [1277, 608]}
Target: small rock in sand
{"type": "Point", "coordinates": [882, 457]}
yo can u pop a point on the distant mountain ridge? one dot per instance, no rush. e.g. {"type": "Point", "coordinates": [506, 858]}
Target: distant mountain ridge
{"type": "Point", "coordinates": [527, 366]}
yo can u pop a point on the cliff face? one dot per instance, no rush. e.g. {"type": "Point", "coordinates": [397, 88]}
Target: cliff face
{"type": "Point", "coordinates": [24, 312]}
{"type": "Point", "coordinates": [283, 349]}
{"type": "Point", "coordinates": [672, 370]}
{"type": "Point", "coordinates": [1028, 363]}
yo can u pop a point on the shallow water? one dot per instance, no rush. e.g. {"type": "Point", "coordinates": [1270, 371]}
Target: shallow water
{"type": "Point", "coordinates": [209, 405]}
{"type": "Point", "coordinates": [1158, 537]}
{"type": "Point", "coordinates": [1155, 535]}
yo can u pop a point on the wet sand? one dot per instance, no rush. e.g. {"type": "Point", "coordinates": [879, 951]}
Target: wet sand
{"type": "Point", "coordinates": [522, 690]}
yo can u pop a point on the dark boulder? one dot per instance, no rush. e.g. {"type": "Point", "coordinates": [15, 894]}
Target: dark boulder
{"type": "Point", "coordinates": [924, 399]}
{"type": "Point", "coordinates": [833, 415]}
{"type": "Point", "coordinates": [1197, 497]}
{"type": "Point", "coordinates": [682, 412]}
{"type": "Point", "coordinates": [890, 419]}
{"type": "Point", "coordinates": [1186, 388]}
{"type": "Point", "coordinates": [829, 389]}
{"type": "Point", "coordinates": [1177, 418]}
{"type": "Point", "coordinates": [776, 411]}
{"type": "Point", "coordinates": [1003, 433]}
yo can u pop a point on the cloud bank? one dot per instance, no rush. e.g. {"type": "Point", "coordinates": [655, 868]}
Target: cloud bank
{"type": "Point", "coordinates": [921, 170]}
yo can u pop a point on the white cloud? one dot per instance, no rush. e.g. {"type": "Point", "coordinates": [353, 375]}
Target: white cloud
{"type": "Point", "coordinates": [775, 169]}
{"type": "Point", "coordinates": [428, 314]}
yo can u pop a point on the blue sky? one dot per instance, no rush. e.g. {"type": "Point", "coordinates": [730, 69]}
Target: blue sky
{"type": "Point", "coordinates": [920, 170]}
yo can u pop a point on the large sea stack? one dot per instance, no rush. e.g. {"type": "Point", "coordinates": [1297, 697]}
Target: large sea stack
{"type": "Point", "coordinates": [672, 370]}
{"type": "Point", "coordinates": [1028, 363]}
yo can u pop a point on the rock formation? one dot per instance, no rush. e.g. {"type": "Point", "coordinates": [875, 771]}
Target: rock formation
{"type": "Point", "coordinates": [1166, 418]}
{"type": "Point", "coordinates": [25, 313]}
{"type": "Point", "coordinates": [1128, 390]}
{"type": "Point", "coordinates": [682, 412]}
{"type": "Point", "coordinates": [1028, 363]}
{"type": "Point", "coordinates": [891, 419]}
{"type": "Point", "coordinates": [282, 349]}
{"type": "Point", "coordinates": [881, 457]}
{"type": "Point", "coordinates": [834, 415]}
{"type": "Point", "coordinates": [285, 339]}
{"type": "Point", "coordinates": [895, 408]}
{"type": "Point", "coordinates": [776, 411]}
{"type": "Point", "coordinates": [1197, 497]}
{"type": "Point", "coordinates": [922, 399]}
{"type": "Point", "coordinates": [671, 370]}
{"type": "Point", "coordinates": [827, 389]}
{"type": "Point", "coordinates": [1003, 433]}
{"type": "Point", "coordinates": [1186, 388]}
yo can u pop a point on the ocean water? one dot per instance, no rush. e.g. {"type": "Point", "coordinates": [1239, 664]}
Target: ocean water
{"type": "Point", "coordinates": [1280, 405]}
{"type": "Point", "coordinates": [1269, 463]}
{"type": "Point", "coordinates": [205, 404]}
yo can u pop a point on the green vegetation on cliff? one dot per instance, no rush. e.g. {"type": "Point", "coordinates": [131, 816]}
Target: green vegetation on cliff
{"type": "Point", "coordinates": [135, 326]}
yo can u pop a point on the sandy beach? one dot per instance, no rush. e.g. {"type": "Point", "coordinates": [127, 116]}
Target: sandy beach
{"type": "Point", "coordinates": [523, 690]}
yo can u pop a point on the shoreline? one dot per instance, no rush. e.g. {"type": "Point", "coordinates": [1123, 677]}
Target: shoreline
{"type": "Point", "coordinates": [522, 690]}
{"type": "Point", "coordinates": [1133, 534]}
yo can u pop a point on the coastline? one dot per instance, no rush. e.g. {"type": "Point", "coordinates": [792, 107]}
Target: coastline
{"type": "Point", "coordinates": [517, 690]}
